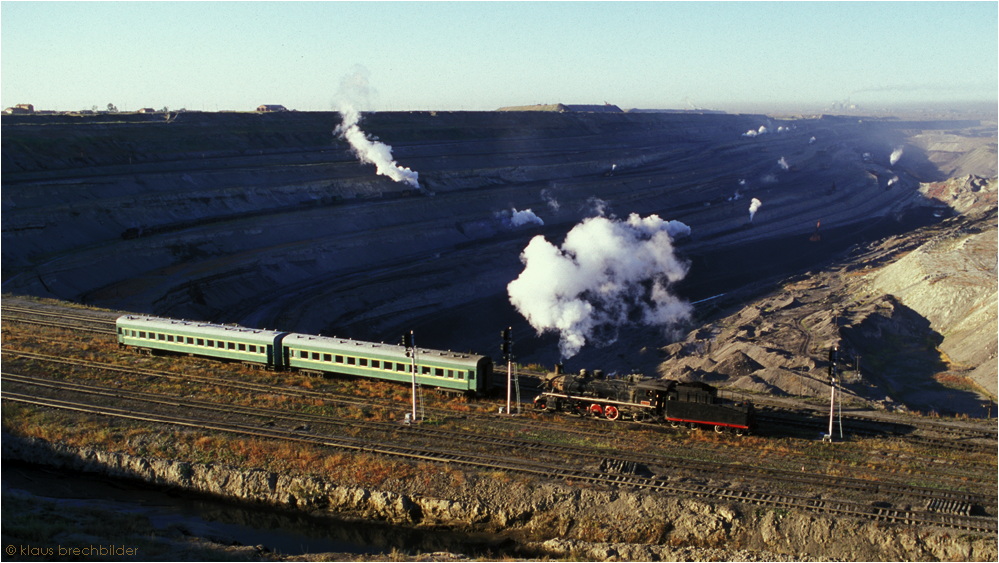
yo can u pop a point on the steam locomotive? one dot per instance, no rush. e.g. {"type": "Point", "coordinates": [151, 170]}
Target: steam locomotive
{"type": "Point", "coordinates": [636, 397]}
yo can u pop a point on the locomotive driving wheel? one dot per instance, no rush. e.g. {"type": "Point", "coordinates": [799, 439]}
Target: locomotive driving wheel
{"type": "Point", "coordinates": [611, 412]}
{"type": "Point", "coordinates": [719, 428]}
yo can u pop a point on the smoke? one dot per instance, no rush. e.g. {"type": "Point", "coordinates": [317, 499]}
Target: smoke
{"type": "Point", "coordinates": [525, 217]}
{"type": "Point", "coordinates": [754, 206]}
{"type": "Point", "coordinates": [597, 206]}
{"type": "Point", "coordinates": [783, 164]}
{"type": "Point", "coordinates": [895, 155]}
{"type": "Point", "coordinates": [353, 92]}
{"type": "Point", "coordinates": [553, 204]}
{"type": "Point", "coordinates": [756, 132]}
{"type": "Point", "coordinates": [607, 274]}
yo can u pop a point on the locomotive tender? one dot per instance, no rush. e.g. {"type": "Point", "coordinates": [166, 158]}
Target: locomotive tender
{"type": "Point", "coordinates": [453, 371]}
{"type": "Point", "coordinates": [639, 398]}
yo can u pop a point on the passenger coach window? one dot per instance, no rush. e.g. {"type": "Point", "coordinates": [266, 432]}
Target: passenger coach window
{"type": "Point", "coordinates": [376, 363]}
{"type": "Point", "coordinates": [450, 373]}
{"type": "Point", "coordinates": [253, 347]}
{"type": "Point", "coordinates": [201, 342]}
{"type": "Point", "coordinates": [351, 361]}
{"type": "Point", "coordinates": [142, 334]}
{"type": "Point", "coordinates": [339, 359]}
{"type": "Point", "coordinates": [363, 362]}
{"type": "Point", "coordinates": [439, 372]}
{"type": "Point", "coordinates": [232, 345]}
{"type": "Point", "coordinates": [327, 357]}
{"type": "Point", "coordinates": [161, 336]}
{"type": "Point", "coordinates": [315, 355]}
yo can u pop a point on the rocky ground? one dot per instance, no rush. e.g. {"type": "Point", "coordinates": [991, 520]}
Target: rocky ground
{"type": "Point", "coordinates": [914, 317]}
{"type": "Point", "coordinates": [583, 523]}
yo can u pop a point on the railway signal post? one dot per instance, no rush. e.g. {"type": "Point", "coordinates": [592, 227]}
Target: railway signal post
{"type": "Point", "coordinates": [833, 357]}
{"type": "Point", "coordinates": [409, 343]}
{"type": "Point", "coordinates": [507, 348]}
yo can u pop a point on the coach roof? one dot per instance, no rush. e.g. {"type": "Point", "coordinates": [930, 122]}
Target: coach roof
{"type": "Point", "coordinates": [193, 328]}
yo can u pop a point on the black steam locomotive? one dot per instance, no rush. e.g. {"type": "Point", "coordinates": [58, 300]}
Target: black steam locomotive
{"type": "Point", "coordinates": [638, 398]}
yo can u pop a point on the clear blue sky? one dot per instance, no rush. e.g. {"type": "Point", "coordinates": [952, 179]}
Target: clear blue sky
{"type": "Point", "coordinates": [483, 55]}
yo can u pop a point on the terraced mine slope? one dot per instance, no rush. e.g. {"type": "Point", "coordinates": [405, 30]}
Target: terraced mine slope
{"type": "Point", "coordinates": [270, 221]}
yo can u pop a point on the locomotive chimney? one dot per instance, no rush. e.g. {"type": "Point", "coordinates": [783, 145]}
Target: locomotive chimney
{"type": "Point", "coordinates": [558, 369]}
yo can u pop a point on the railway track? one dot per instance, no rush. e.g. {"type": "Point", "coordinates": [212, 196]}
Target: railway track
{"type": "Point", "coordinates": [940, 505]}
{"type": "Point", "coordinates": [966, 440]}
{"type": "Point", "coordinates": [934, 499]}
{"type": "Point", "coordinates": [683, 462]}
{"type": "Point", "coordinates": [62, 319]}
{"type": "Point", "coordinates": [526, 466]}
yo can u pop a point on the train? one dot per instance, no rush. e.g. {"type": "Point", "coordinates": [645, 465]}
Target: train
{"type": "Point", "coordinates": [642, 399]}
{"type": "Point", "coordinates": [457, 372]}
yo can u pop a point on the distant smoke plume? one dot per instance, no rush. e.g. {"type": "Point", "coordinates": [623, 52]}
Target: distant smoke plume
{"type": "Point", "coordinates": [754, 206]}
{"type": "Point", "coordinates": [354, 91]}
{"type": "Point", "coordinates": [549, 198]}
{"type": "Point", "coordinates": [756, 132]}
{"type": "Point", "coordinates": [783, 164]}
{"type": "Point", "coordinates": [525, 217]}
{"type": "Point", "coordinates": [597, 206]}
{"type": "Point", "coordinates": [607, 274]}
{"type": "Point", "coordinates": [895, 155]}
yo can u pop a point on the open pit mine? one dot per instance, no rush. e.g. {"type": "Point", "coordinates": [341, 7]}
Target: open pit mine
{"type": "Point", "coordinates": [272, 220]}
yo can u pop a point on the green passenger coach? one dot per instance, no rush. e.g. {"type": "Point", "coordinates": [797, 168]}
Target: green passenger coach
{"type": "Point", "coordinates": [467, 373]}
{"type": "Point", "coordinates": [247, 345]}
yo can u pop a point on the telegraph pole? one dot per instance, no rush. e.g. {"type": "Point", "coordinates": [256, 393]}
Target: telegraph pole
{"type": "Point", "coordinates": [507, 348]}
{"type": "Point", "coordinates": [833, 357]}
{"type": "Point", "coordinates": [408, 342]}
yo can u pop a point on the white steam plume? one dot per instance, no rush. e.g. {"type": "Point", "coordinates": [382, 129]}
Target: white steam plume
{"type": "Point", "coordinates": [553, 204]}
{"type": "Point", "coordinates": [896, 155]}
{"type": "Point", "coordinates": [607, 274]}
{"type": "Point", "coordinates": [353, 91]}
{"type": "Point", "coordinates": [754, 206]}
{"type": "Point", "coordinates": [525, 217]}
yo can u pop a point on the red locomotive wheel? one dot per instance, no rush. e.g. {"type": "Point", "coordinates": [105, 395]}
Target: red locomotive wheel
{"type": "Point", "coordinates": [611, 412]}
{"type": "Point", "coordinates": [596, 410]}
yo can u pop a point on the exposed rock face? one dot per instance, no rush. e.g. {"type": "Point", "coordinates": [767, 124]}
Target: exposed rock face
{"type": "Point", "coordinates": [917, 313]}
{"type": "Point", "coordinates": [598, 523]}
{"type": "Point", "coordinates": [270, 221]}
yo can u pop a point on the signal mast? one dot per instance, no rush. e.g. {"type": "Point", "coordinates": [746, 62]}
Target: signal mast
{"type": "Point", "coordinates": [408, 342]}
{"type": "Point", "coordinates": [507, 348]}
{"type": "Point", "coordinates": [833, 373]}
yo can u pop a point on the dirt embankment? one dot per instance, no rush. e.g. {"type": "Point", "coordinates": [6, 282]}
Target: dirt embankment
{"type": "Point", "coordinates": [589, 523]}
{"type": "Point", "coordinates": [914, 316]}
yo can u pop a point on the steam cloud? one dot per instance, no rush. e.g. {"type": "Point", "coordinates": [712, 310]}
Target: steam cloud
{"type": "Point", "coordinates": [607, 274]}
{"type": "Point", "coordinates": [525, 217]}
{"type": "Point", "coordinates": [354, 90]}
{"type": "Point", "coordinates": [895, 155]}
{"type": "Point", "coordinates": [549, 197]}
{"type": "Point", "coordinates": [754, 206]}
